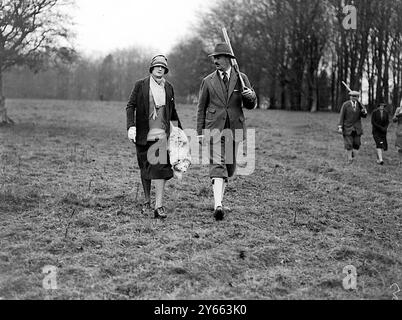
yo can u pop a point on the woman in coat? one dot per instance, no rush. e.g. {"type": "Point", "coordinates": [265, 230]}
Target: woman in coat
{"type": "Point", "coordinates": [150, 109]}
{"type": "Point", "coordinates": [380, 123]}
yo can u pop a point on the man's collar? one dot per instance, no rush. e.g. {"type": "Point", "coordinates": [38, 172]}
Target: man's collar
{"type": "Point", "coordinates": [228, 71]}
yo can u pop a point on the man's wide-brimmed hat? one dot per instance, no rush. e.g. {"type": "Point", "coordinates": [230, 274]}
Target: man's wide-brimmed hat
{"type": "Point", "coordinates": [354, 93]}
{"type": "Point", "coordinates": [222, 49]}
{"type": "Point", "coordinates": [159, 61]}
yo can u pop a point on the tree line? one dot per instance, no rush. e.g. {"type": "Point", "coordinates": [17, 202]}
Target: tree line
{"type": "Point", "coordinates": [295, 52]}
{"type": "Point", "coordinates": [106, 78]}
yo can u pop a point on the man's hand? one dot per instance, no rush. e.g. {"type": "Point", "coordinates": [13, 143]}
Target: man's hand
{"type": "Point", "coordinates": [340, 130]}
{"type": "Point", "coordinates": [248, 93]}
{"type": "Point", "coordinates": [132, 134]}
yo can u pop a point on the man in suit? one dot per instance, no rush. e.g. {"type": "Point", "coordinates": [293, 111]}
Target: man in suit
{"type": "Point", "coordinates": [350, 124]}
{"type": "Point", "coordinates": [221, 99]}
{"type": "Point", "coordinates": [380, 122]}
{"type": "Point", "coordinates": [150, 109]}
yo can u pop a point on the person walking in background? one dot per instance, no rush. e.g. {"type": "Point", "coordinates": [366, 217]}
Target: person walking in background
{"type": "Point", "coordinates": [220, 108]}
{"type": "Point", "coordinates": [350, 124]}
{"type": "Point", "coordinates": [398, 119]}
{"type": "Point", "coordinates": [150, 109]}
{"type": "Point", "coordinates": [380, 123]}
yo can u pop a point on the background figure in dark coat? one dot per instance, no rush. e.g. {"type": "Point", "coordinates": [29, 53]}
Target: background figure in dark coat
{"type": "Point", "coordinates": [350, 124]}
{"type": "Point", "coordinates": [150, 109]}
{"type": "Point", "coordinates": [380, 123]}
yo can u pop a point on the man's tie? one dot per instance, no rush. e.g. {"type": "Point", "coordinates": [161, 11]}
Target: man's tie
{"type": "Point", "coordinates": [226, 81]}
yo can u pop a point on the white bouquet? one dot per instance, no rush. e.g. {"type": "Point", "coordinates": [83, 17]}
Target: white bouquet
{"type": "Point", "coordinates": [179, 151]}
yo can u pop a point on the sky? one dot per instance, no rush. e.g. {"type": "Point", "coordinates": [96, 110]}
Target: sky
{"type": "Point", "coordinates": [102, 26]}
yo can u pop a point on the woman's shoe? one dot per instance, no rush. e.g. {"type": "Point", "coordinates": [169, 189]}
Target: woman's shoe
{"type": "Point", "coordinates": [160, 213]}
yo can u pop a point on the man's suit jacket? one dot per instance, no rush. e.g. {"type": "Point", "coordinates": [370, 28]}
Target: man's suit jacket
{"type": "Point", "coordinates": [350, 119]}
{"type": "Point", "coordinates": [138, 109]}
{"type": "Point", "coordinates": [214, 107]}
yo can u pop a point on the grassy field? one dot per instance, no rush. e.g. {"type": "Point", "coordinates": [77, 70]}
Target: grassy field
{"type": "Point", "coordinates": [70, 195]}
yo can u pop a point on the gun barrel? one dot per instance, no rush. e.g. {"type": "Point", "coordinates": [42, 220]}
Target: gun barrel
{"type": "Point", "coordinates": [234, 61]}
{"type": "Point", "coordinates": [347, 87]}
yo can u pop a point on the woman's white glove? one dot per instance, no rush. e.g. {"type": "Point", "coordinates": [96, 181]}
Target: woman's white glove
{"type": "Point", "coordinates": [132, 133]}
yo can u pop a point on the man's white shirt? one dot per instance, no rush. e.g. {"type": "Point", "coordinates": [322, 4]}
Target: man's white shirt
{"type": "Point", "coordinates": [227, 73]}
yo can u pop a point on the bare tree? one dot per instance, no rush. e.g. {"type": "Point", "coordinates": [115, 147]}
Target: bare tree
{"type": "Point", "coordinates": [185, 74]}
{"type": "Point", "coordinates": [279, 44]}
{"type": "Point", "coordinates": [30, 32]}
{"type": "Point", "coordinates": [295, 52]}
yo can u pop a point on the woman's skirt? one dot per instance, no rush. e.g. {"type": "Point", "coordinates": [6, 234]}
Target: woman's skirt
{"type": "Point", "coordinates": [380, 140]}
{"type": "Point", "coordinates": [153, 160]}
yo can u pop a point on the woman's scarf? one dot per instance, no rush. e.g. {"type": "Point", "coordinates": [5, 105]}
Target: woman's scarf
{"type": "Point", "coordinates": [159, 95]}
